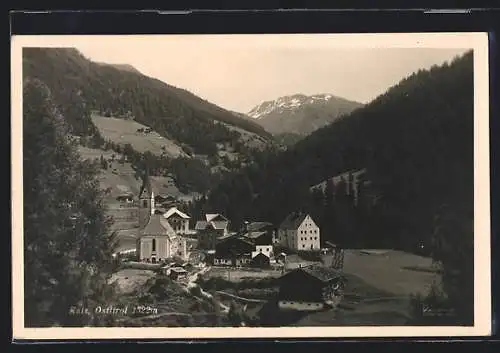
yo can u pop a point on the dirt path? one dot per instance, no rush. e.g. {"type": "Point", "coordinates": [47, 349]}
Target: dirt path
{"type": "Point", "coordinates": [248, 300]}
{"type": "Point", "coordinates": [191, 283]}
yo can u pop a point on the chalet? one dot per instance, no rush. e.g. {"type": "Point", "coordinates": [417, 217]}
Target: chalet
{"type": "Point", "coordinates": [209, 230]}
{"type": "Point", "coordinates": [299, 232]}
{"type": "Point", "coordinates": [167, 201]}
{"type": "Point", "coordinates": [157, 240]}
{"type": "Point", "coordinates": [178, 220]}
{"type": "Point", "coordinates": [233, 251]}
{"type": "Point", "coordinates": [260, 233]}
{"type": "Point", "coordinates": [216, 220]}
{"type": "Point", "coordinates": [310, 288]}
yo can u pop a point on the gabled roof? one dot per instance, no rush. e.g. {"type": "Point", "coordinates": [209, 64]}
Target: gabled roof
{"type": "Point", "coordinates": [174, 210]}
{"type": "Point", "coordinates": [254, 235]}
{"type": "Point", "coordinates": [219, 224]}
{"type": "Point", "coordinates": [293, 220]}
{"type": "Point", "coordinates": [257, 226]}
{"type": "Point", "coordinates": [324, 274]}
{"type": "Point", "coordinates": [213, 216]}
{"type": "Point", "coordinates": [235, 238]}
{"type": "Point", "coordinates": [158, 225]}
{"type": "Point", "coordinates": [261, 254]}
{"type": "Point", "coordinates": [202, 225]}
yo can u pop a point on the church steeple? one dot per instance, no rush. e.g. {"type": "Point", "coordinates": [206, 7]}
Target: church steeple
{"type": "Point", "coordinates": [146, 200]}
{"type": "Point", "coordinates": [146, 185]}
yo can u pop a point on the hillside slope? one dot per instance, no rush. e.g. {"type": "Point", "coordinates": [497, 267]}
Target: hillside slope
{"type": "Point", "coordinates": [301, 114]}
{"type": "Point", "coordinates": [124, 132]}
{"type": "Point", "coordinates": [79, 85]}
{"type": "Point", "coordinates": [416, 143]}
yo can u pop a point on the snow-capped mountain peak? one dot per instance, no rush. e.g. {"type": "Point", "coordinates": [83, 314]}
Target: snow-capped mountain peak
{"type": "Point", "coordinates": [286, 103]}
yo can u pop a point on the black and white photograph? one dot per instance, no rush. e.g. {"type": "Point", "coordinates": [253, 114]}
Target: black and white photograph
{"type": "Point", "coordinates": [264, 185]}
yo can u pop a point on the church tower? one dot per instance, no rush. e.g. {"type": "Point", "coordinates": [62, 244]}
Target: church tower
{"type": "Point", "coordinates": [146, 201]}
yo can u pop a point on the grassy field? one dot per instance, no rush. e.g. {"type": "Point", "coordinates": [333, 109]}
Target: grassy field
{"type": "Point", "coordinates": [395, 272]}
{"type": "Point", "coordinates": [125, 131]}
{"type": "Point", "coordinates": [379, 285]}
{"type": "Point", "coordinates": [378, 289]}
{"type": "Point", "coordinates": [129, 280]}
{"type": "Point", "coordinates": [120, 178]}
{"type": "Point", "coordinates": [250, 139]}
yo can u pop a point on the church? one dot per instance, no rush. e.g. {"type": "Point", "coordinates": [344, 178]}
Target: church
{"type": "Point", "coordinates": [157, 240]}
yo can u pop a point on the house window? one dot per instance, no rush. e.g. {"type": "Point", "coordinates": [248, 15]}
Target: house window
{"type": "Point", "coordinates": [145, 203]}
{"type": "Point", "coordinates": [315, 238]}
{"type": "Point", "coordinates": [303, 245]}
{"type": "Point", "coordinates": [154, 245]}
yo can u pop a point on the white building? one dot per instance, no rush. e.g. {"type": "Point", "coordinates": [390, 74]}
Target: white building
{"type": "Point", "coordinates": [299, 232]}
{"type": "Point", "coordinates": [157, 240]}
{"type": "Point", "coordinates": [178, 220]}
{"type": "Point", "coordinates": [264, 249]}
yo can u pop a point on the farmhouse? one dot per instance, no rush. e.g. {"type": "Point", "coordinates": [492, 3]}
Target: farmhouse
{"type": "Point", "coordinates": [299, 232]}
{"type": "Point", "coordinates": [178, 220]}
{"type": "Point", "coordinates": [260, 233]}
{"type": "Point", "coordinates": [209, 230]}
{"type": "Point", "coordinates": [310, 288]}
{"type": "Point", "coordinates": [233, 251]}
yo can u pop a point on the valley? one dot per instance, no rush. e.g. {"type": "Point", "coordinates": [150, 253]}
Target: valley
{"type": "Point", "coordinates": [306, 211]}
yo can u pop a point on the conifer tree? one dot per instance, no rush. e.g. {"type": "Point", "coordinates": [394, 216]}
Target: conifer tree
{"type": "Point", "coordinates": [67, 243]}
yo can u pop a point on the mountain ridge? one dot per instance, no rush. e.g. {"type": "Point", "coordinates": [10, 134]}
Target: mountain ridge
{"type": "Point", "coordinates": [79, 83]}
{"type": "Point", "coordinates": [301, 114]}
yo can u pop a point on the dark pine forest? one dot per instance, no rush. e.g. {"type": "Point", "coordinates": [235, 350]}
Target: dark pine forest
{"type": "Point", "coordinates": [416, 143]}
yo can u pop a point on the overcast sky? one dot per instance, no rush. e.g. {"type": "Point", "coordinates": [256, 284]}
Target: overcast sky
{"type": "Point", "coordinates": [239, 72]}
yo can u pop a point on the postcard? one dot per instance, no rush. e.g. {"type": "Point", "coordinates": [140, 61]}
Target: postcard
{"type": "Point", "coordinates": [250, 186]}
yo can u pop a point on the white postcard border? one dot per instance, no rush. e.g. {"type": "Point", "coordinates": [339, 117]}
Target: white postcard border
{"type": "Point", "coordinates": [482, 259]}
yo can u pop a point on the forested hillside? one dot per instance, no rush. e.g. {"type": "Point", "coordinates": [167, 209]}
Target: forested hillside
{"type": "Point", "coordinates": [79, 85]}
{"type": "Point", "coordinates": [416, 143]}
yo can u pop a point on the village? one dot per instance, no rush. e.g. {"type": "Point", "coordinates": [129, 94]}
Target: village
{"type": "Point", "coordinates": [289, 254]}
{"type": "Point", "coordinates": [278, 274]}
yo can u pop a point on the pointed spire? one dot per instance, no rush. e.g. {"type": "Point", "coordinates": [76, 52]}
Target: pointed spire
{"type": "Point", "coordinates": [146, 183]}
